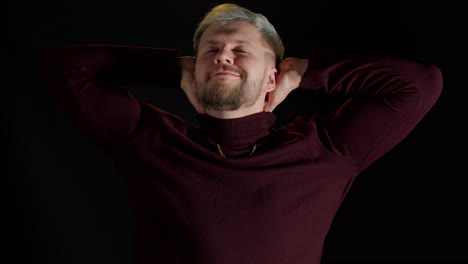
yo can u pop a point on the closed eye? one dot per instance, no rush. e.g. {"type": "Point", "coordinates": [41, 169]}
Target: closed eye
{"type": "Point", "coordinates": [240, 51]}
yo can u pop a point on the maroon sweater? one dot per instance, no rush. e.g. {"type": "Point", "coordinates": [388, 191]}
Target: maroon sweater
{"type": "Point", "coordinates": [193, 206]}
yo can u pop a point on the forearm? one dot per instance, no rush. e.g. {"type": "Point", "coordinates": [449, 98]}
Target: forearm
{"type": "Point", "coordinates": [83, 81]}
{"type": "Point", "coordinates": [114, 64]}
{"type": "Point", "coordinates": [388, 98]}
{"type": "Point", "coordinates": [371, 76]}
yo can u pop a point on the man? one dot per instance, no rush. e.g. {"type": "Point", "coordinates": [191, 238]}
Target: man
{"type": "Point", "coordinates": [236, 189]}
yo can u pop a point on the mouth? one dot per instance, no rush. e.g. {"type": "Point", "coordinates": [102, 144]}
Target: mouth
{"type": "Point", "coordinates": [225, 74]}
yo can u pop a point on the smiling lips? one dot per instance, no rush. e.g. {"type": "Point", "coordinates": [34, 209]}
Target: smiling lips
{"type": "Point", "coordinates": [225, 74]}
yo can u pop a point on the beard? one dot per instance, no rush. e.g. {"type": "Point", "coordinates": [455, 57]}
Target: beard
{"type": "Point", "coordinates": [224, 94]}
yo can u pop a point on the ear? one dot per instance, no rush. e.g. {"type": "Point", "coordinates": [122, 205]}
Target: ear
{"type": "Point", "coordinates": [271, 81]}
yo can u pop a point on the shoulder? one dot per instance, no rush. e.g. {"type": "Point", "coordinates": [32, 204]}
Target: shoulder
{"type": "Point", "coordinates": [300, 124]}
{"type": "Point", "coordinates": [156, 117]}
{"type": "Point", "coordinates": [310, 130]}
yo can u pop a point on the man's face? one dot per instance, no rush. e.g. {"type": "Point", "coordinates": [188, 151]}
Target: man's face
{"type": "Point", "coordinates": [232, 67]}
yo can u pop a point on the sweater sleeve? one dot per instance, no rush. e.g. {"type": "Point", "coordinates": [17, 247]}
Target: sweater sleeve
{"type": "Point", "coordinates": [84, 81]}
{"type": "Point", "coordinates": [387, 99]}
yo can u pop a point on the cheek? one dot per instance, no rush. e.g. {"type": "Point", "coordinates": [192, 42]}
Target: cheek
{"type": "Point", "coordinates": [198, 74]}
{"type": "Point", "coordinates": [200, 70]}
{"type": "Point", "coordinates": [255, 75]}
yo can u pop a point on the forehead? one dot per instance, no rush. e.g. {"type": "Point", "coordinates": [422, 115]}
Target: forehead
{"type": "Point", "coordinates": [238, 31]}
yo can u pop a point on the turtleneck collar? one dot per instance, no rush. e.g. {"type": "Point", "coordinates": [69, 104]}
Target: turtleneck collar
{"type": "Point", "coordinates": [237, 132]}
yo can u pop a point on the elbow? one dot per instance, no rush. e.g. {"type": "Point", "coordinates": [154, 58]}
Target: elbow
{"type": "Point", "coordinates": [431, 83]}
{"type": "Point", "coordinates": [436, 79]}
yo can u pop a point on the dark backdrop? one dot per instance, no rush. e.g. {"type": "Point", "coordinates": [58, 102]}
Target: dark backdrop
{"type": "Point", "coordinates": [65, 203]}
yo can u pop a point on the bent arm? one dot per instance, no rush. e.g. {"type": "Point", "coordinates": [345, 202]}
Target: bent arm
{"type": "Point", "coordinates": [84, 81]}
{"type": "Point", "coordinates": [389, 97]}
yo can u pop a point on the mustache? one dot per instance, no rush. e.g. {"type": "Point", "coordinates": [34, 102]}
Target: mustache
{"type": "Point", "coordinates": [226, 68]}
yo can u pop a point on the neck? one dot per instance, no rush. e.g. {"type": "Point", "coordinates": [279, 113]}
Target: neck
{"type": "Point", "coordinates": [241, 112]}
{"type": "Point", "coordinates": [236, 136]}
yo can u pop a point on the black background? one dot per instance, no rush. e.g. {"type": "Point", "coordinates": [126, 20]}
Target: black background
{"type": "Point", "coordinates": [65, 203]}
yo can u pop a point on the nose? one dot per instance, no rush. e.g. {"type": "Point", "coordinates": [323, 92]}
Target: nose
{"type": "Point", "coordinates": [224, 57]}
